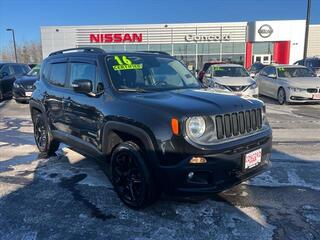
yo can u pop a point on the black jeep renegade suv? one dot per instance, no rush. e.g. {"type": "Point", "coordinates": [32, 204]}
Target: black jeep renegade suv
{"type": "Point", "coordinates": [150, 120]}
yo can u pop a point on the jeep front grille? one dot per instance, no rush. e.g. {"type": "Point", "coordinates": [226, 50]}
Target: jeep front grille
{"type": "Point", "coordinates": [238, 123]}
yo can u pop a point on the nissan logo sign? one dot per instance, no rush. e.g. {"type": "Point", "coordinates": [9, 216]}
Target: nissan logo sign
{"type": "Point", "coordinates": [265, 31]}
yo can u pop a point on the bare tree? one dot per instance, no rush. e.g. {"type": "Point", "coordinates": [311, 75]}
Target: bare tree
{"type": "Point", "coordinates": [27, 52]}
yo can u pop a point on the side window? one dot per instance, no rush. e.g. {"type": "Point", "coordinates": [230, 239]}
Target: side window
{"type": "Point", "coordinates": [6, 70]}
{"type": "Point", "coordinates": [58, 74]}
{"type": "Point", "coordinates": [273, 71]}
{"type": "Point", "coordinates": [263, 71]}
{"type": "Point", "coordinates": [18, 70]}
{"type": "Point", "coordinates": [81, 71]}
{"type": "Point", "coordinates": [44, 71]}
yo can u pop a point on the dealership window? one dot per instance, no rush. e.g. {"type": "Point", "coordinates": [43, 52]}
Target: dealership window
{"type": "Point", "coordinates": [208, 48]}
{"type": "Point", "coordinates": [114, 47]}
{"type": "Point", "coordinates": [161, 47]}
{"type": "Point", "coordinates": [233, 47]}
{"type": "Point", "coordinates": [233, 58]}
{"type": "Point", "coordinates": [182, 48]}
{"type": "Point", "coordinates": [136, 47]}
{"type": "Point", "coordinates": [262, 48]}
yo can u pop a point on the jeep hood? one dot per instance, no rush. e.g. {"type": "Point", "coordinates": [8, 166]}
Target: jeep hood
{"type": "Point", "coordinates": [194, 101]}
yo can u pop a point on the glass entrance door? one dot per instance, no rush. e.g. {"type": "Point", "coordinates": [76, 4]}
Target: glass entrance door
{"type": "Point", "coordinates": [262, 58]}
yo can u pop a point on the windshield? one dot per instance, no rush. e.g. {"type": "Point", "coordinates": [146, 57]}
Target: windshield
{"type": "Point", "coordinates": [219, 71]}
{"type": "Point", "coordinates": [314, 63]}
{"type": "Point", "coordinates": [34, 71]}
{"type": "Point", "coordinates": [294, 72]}
{"type": "Point", "coordinates": [149, 72]}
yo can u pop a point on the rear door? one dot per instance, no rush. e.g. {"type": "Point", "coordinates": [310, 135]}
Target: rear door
{"type": "Point", "coordinates": [82, 111]}
{"type": "Point", "coordinates": [55, 93]}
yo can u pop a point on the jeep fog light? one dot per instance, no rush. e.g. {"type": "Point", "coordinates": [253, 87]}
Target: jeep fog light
{"type": "Point", "coordinates": [198, 160]}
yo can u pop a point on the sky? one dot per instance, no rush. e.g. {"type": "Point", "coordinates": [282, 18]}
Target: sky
{"type": "Point", "coordinates": [26, 16]}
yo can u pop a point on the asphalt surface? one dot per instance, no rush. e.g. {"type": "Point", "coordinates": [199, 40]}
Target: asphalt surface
{"type": "Point", "coordinates": [69, 197]}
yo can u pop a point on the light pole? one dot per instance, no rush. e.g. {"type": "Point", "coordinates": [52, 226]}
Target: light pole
{"type": "Point", "coordinates": [14, 43]}
{"type": "Point", "coordinates": [307, 30]}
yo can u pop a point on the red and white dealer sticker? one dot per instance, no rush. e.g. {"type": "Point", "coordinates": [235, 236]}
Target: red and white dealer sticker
{"type": "Point", "coordinates": [252, 159]}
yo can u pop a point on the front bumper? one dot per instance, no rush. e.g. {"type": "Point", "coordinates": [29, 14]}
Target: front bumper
{"type": "Point", "coordinates": [21, 94]}
{"type": "Point", "coordinates": [222, 170]}
{"type": "Point", "coordinates": [304, 96]}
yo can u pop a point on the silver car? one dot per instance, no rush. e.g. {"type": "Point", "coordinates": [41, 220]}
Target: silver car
{"type": "Point", "coordinates": [231, 78]}
{"type": "Point", "coordinates": [289, 83]}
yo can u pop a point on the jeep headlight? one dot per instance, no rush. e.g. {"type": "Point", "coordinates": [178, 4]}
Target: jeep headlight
{"type": "Point", "coordinates": [201, 130]}
{"type": "Point", "coordinates": [196, 127]}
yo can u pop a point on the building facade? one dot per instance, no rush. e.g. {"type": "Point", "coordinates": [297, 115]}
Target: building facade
{"type": "Point", "coordinates": [192, 43]}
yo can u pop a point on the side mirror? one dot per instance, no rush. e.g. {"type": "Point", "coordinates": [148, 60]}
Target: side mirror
{"type": "Point", "coordinates": [82, 86]}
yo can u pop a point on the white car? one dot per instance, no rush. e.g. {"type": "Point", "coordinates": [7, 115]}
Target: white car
{"type": "Point", "coordinates": [289, 83]}
{"type": "Point", "coordinates": [231, 78]}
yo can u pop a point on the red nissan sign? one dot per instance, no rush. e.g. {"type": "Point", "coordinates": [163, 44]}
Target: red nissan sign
{"type": "Point", "coordinates": [117, 37]}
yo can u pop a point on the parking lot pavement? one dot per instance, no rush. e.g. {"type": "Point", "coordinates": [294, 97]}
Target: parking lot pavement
{"type": "Point", "coordinates": [69, 197]}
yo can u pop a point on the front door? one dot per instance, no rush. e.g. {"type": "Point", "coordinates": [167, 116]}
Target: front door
{"type": "Point", "coordinates": [81, 111]}
{"type": "Point", "coordinates": [262, 58]}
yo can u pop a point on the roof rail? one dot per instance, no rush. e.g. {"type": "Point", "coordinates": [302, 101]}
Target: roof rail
{"type": "Point", "coordinates": [156, 52]}
{"type": "Point", "coordinates": [82, 49]}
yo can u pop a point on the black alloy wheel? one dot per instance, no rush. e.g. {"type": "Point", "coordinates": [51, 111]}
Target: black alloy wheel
{"type": "Point", "coordinates": [130, 176]}
{"type": "Point", "coordinates": [40, 134]}
{"type": "Point", "coordinates": [46, 144]}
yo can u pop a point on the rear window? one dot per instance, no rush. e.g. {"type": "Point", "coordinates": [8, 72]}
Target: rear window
{"type": "Point", "coordinates": [58, 74]}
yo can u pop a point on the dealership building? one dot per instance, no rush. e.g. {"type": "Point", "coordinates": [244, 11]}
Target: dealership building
{"type": "Point", "coordinates": [193, 43]}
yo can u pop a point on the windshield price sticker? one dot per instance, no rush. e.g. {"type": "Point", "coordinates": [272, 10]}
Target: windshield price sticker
{"type": "Point", "coordinates": [125, 64]}
{"type": "Point", "coordinates": [218, 69]}
{"type": "Point", "coordinates": [281, 69]}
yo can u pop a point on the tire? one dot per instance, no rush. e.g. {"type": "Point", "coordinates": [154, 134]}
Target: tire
{"type": "Point", "coordinates": [282, 96]}
{"type": "Point", "coordinates": [45, 143]}
{"type": "Point", "coordinates": [131, 178]}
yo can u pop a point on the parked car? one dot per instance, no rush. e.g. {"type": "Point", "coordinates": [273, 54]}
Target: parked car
{"type": "Point", "coordinates": [289, 83]}
{"type": "Point", "coordinates": [150, 120]}
{"type": "Point", "coordinates": [23, 86]}
{"type": "Point", "coordinates": [231, 78]}
{"type": "Point", "coordinates": [312, 63]}
{"type": "Point", "coordinates": [255, 68]}
{"type": "Point", "coordinates": [8, 74]}
{"type": "Point", "coordinates": [205, 68]}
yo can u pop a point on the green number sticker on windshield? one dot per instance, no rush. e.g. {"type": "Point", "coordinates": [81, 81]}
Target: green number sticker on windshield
{"type": "Point", "coordinates": [125, 64]}
{"type": "Point", "coordinates": [281, 69]}
{"type": "Point", "coordinates": [218, 68]}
